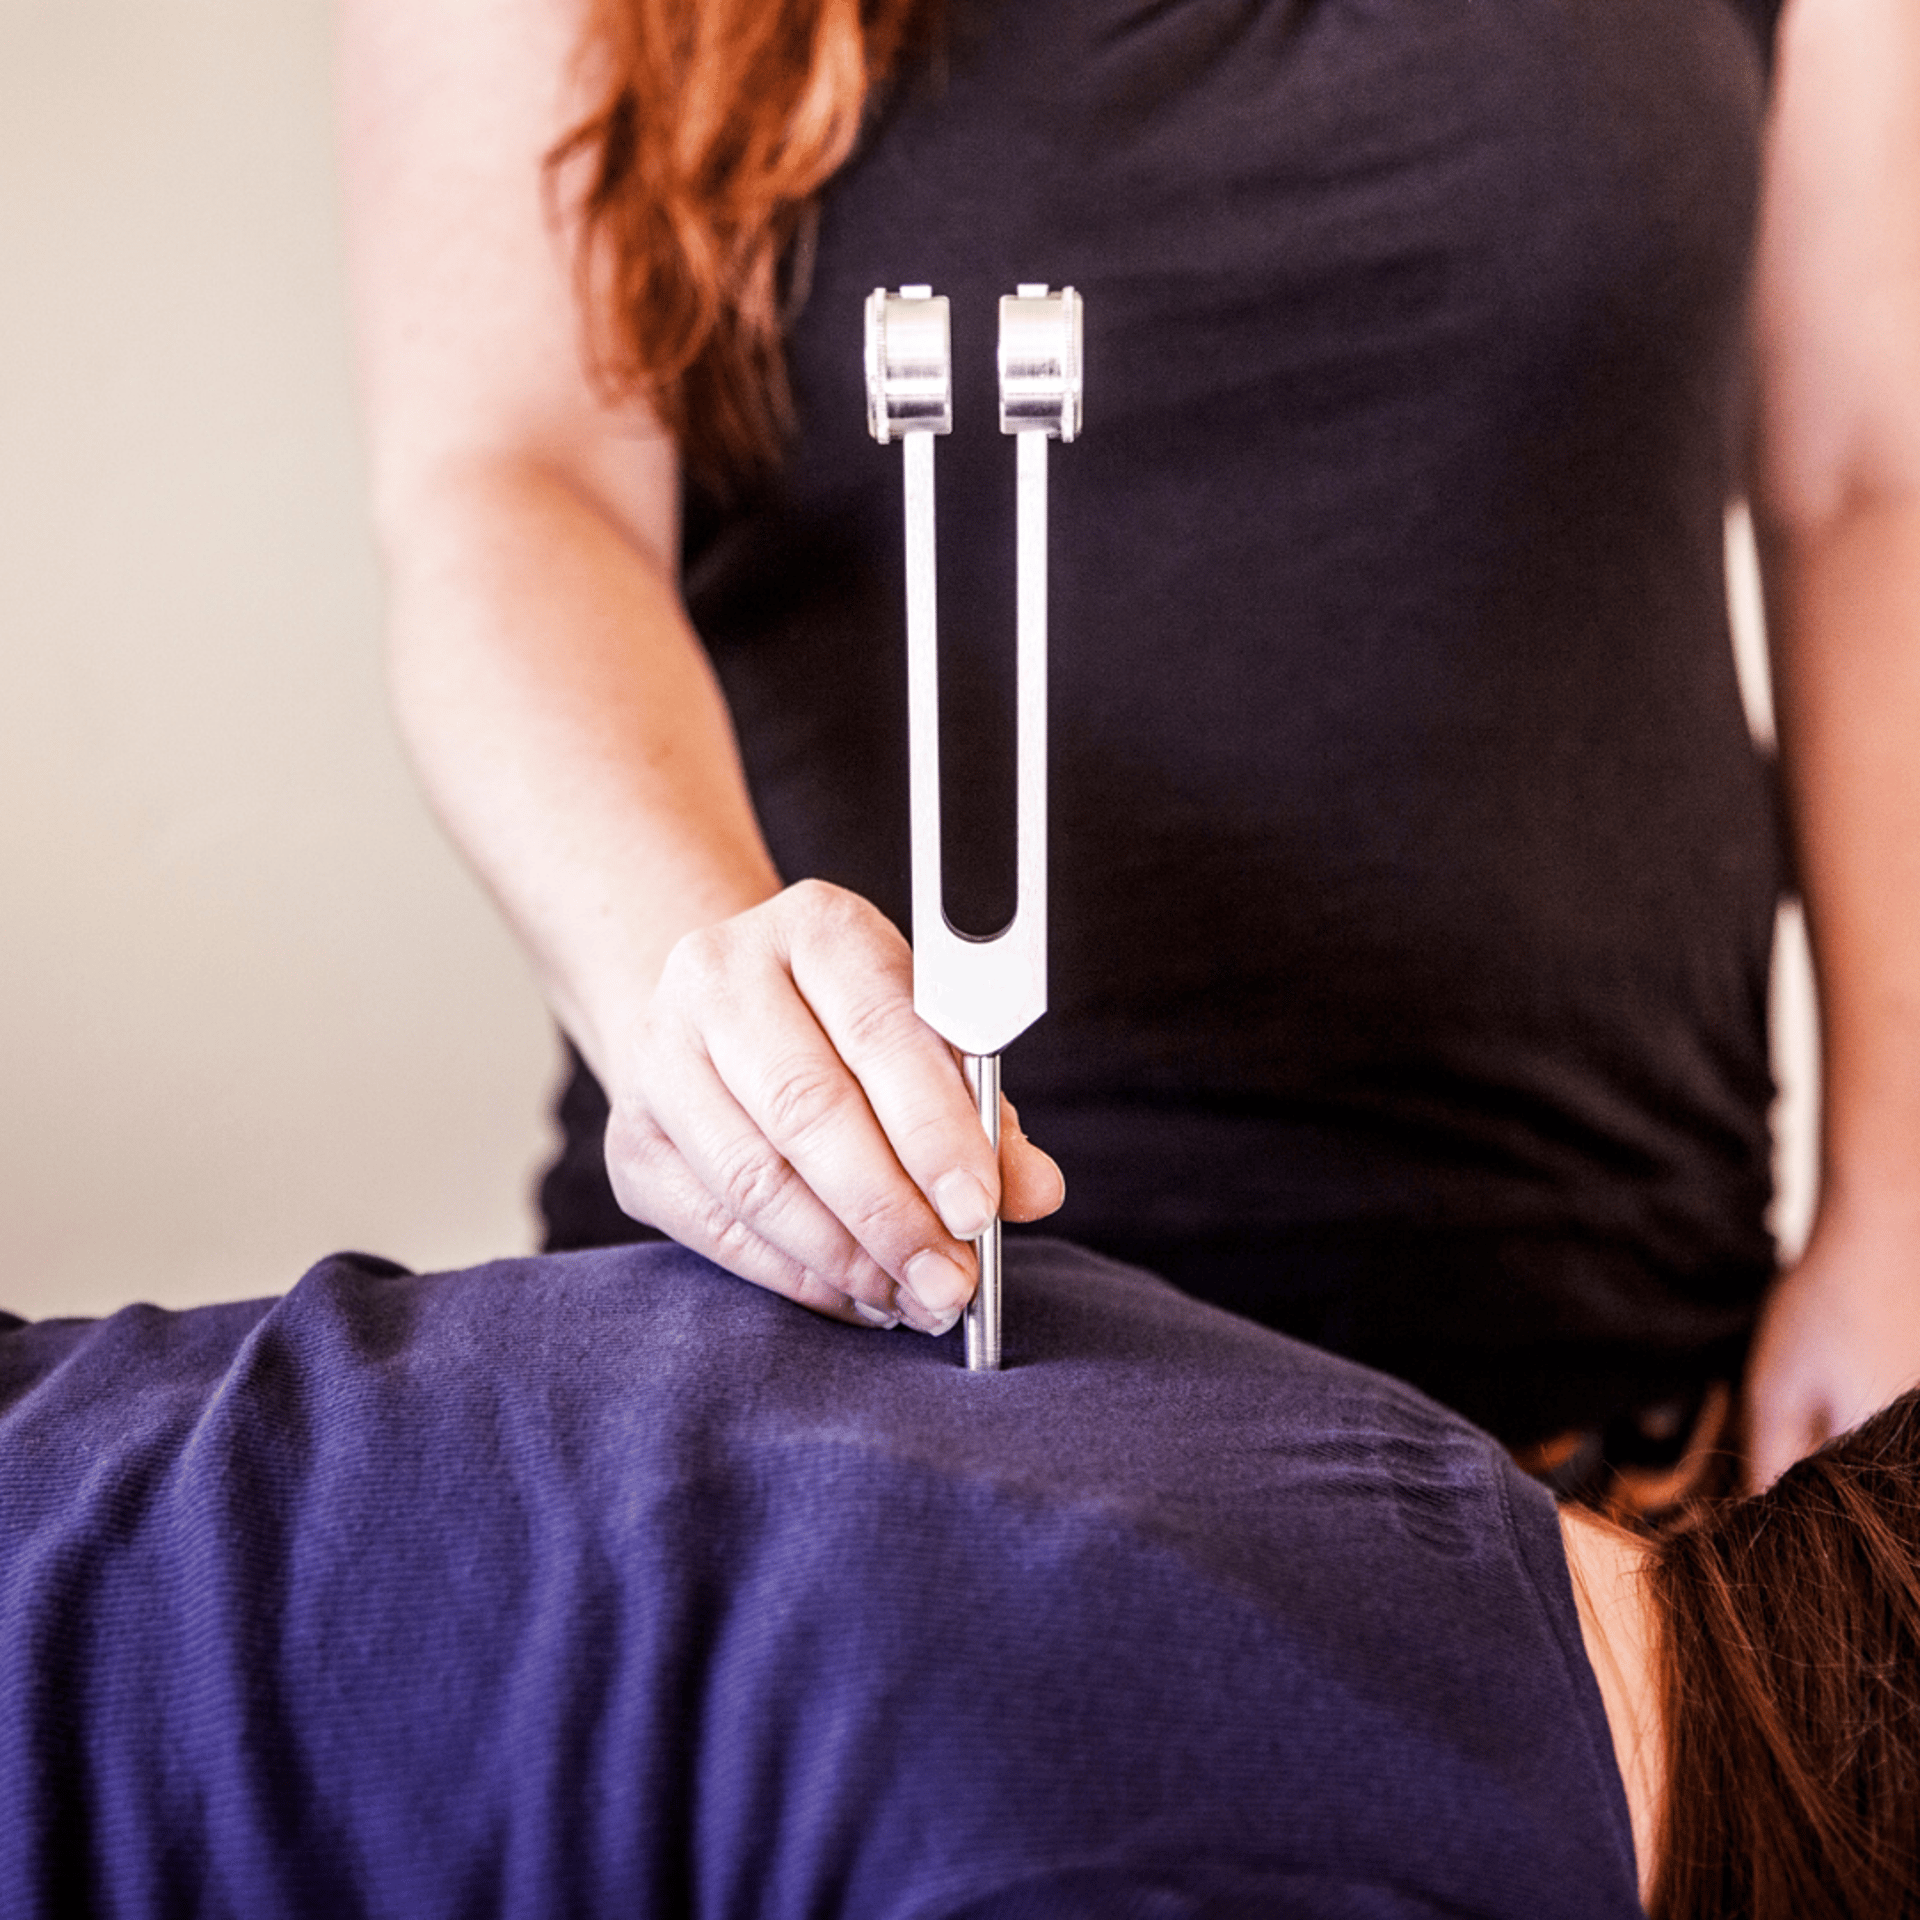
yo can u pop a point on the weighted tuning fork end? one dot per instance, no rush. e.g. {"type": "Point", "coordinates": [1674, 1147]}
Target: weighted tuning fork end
{"type": "Point", "coordinates": [1041, 385]}
{"type": "Point", "coordinates": [909, 363]}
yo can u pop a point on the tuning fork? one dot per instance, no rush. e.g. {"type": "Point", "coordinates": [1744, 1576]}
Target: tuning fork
{"type": "Point", "coordinates": [979, 994]}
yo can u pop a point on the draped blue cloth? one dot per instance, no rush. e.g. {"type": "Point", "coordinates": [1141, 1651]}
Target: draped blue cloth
{"type": "Point", "coordinates": [607, 1584]}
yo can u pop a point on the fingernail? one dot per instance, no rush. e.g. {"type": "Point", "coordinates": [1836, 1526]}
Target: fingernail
{"type": "Point", "coordinates": [875, 1316]}
{"type": "Point", "coordinates": [965, 1206]}
{"type": "Point", "coordinates": [941, 1288]}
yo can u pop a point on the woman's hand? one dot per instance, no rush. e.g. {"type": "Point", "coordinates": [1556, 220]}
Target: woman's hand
{"type": "Point", "coordinates": [784, 1111]}
{"type": "Point", "coordinates": [1839, 1337]}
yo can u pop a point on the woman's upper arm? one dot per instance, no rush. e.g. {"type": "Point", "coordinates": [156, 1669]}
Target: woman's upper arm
{"type": "Point", "coordinates": [1838, 296]}
{"type": "Point", "coordinates": [469, 336]}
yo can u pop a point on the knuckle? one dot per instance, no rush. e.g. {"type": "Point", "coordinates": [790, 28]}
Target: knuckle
{"type": "Point", "coordinates": [633, 1135]}
{"type": "Point", "coordinates": [635, 1200]}
{"type": "Point", "coordinates": [805, 1097]}
{"type": "Point", "coordinates": [835, 914]}
{"type": "Point", "coordinates": [887, 1222]}
{"type": "Point", "coordinates": [812, 896]}
{"type": "Point", "coordinates": [731, 1242]}
{"type": "Point", "coordinates": [808, 912]}
{"type": "Point", "coordinates": [753, 1183]}
{"type": "Point", "coordinates": [635, 1150]}
{"type": "Point", "coordinates": [943, 1130]}
{"type": "Point", "coordinates": [883, 1025]}
{"type": "Point", "coordinates": [698, 967]}
{"type": "Point", "coordinates": [707, 1224]}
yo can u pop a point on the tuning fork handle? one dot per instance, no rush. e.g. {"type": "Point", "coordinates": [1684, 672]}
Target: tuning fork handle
{"type": "Point", "coordinates": [983, 1310]}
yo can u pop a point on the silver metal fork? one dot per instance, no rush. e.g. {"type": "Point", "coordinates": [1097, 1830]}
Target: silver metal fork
{"type": "Point", "coordinates": [978, 994]}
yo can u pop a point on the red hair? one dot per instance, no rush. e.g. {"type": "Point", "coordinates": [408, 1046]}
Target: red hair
{"type": "Point", "coordinates": [717, 123]}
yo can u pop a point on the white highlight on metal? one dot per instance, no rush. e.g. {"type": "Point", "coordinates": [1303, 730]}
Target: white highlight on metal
{"type": "Point", "coordinates": [979, 994]}
{"type": "Point", "coordinates": [983, 1310]}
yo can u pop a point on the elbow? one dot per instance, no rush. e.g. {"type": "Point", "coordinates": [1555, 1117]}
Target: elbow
{"type": "Point", "coordinates": [1820, 467]}
{"type": "Point", "coordinates": [425, 504]}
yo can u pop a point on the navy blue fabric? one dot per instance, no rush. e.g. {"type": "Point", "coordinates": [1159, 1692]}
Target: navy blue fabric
{"type": "Point", "coordinates": [605, 1584]}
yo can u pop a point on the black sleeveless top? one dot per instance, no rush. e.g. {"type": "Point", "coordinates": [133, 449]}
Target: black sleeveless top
{"type": "Point", "coordinates": [1413, 875]}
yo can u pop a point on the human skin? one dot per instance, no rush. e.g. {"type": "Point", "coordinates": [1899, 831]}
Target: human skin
{"type": "Point", "coordinates": [776, 1103]}
{"type": "Point", "coordinates": [1620, 1629]}
{"type": "Point", "coordinates": [1837, 501]}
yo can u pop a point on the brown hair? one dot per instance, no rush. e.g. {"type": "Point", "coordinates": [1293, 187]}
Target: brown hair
{"type": "Point", "coordinates": [1792, 1685]}
{"type": "Point", "coordinates": [717, 123]}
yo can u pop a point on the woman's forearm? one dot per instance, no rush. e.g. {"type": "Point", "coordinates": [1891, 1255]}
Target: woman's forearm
{"type": "Point", "coordinates": [1837, 505]}
{"type": "Point", "coordinates": [1840, 1334]}
{"type": "Point", "coordinates": [775, 1101]}
{"type": "Point", "coordinates": [570, 734]}
{"type": "Point", "coordinates": [560, 711]}
{"type": "Point", "coordinates": [1844, 606]}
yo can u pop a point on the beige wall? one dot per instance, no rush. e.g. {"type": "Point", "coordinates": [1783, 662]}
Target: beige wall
{"type": "Point", "coordinates": [250, 1008]}
{"type": "Point", "coordinates": [1796, 1043]}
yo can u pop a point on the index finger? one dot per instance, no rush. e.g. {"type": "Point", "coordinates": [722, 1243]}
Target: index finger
{"type": "Point", "coordinates": [863, 1000]}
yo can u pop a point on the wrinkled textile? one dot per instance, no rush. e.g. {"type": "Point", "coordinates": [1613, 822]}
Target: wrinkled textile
{"type": "Point", "coordinates": [609, 1585]}
{"type": "Point", "coordinates": [1413, 875]}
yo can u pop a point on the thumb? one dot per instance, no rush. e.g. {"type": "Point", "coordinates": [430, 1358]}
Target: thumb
{"type": "Point", "coordinates": [1031, 1183]}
